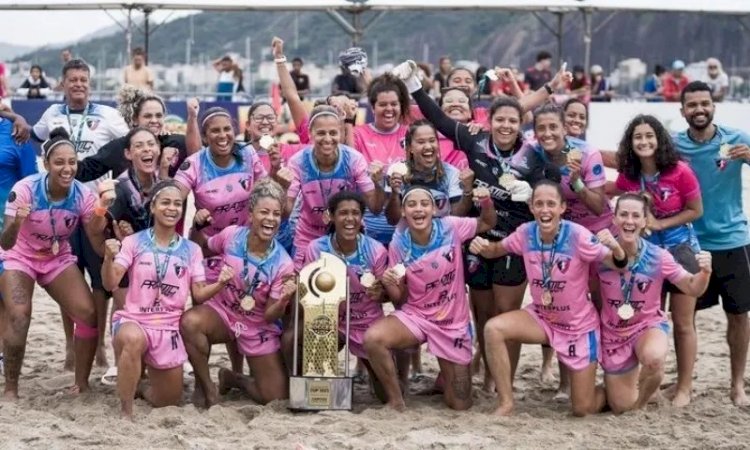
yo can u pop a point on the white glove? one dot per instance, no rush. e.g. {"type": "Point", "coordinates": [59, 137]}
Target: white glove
{"type": "Point", "coordinates": [407, 72]}
{"type": "Point", "coordinates": [520, 191]}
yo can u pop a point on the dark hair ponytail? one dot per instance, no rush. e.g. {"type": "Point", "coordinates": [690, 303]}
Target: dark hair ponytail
{"type": "Point", "coordinates": [58, 136]}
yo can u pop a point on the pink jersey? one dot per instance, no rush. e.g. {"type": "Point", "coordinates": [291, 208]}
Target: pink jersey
{"type": "Point", "coordinates": [370, 257]}
{"type": "Point", "coordinates": [571, 310]}
{"type": "Point", "coordinates": [223, 191]}
{"type": "Point", "coordinates": [450, 154]}
{"type": "Point", "coordinates": [435, 273]}
{"type": "Point", "coordinates": [48, 221]}
{"type": "Point", "coordinates": [157, 300]}
{"type": "Point", "coordinates": [375, 145]}
{"type": "Point", "coordinates": [670, 191]}
{"type": "Point", "coordinates": [261, 278]}
{"type": "Point", "coordinates": [317, 187]}
{"type": "Point", "coordinates": [286, 151]}
{"type": "Point", "coordinates": [655, 266]}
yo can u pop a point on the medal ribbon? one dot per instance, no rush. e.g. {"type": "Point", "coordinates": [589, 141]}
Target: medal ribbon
{"type": "Point", "coordinates": [627, 286]}
{"type": "Point", "coordinates": [81, 124]}
{"type": "Point", "coordinates": [547, 266]}
{"type": "Point", "coordinates": [253, 284]}
{"type": "Point", "coordinates": [161, 269]}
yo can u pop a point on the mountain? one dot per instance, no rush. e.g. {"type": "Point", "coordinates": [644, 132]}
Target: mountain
{"type": "Point", "coordinates": [10, 51]}
{"type": "Point", "coordinates": [488, 36]}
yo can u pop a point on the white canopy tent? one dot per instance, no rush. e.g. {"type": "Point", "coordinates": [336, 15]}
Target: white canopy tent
{"type": "Point", "coordinates": [356, 8]}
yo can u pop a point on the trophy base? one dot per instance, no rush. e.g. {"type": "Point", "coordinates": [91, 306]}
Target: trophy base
{"type": "Point", "coordinates": [320, 393]}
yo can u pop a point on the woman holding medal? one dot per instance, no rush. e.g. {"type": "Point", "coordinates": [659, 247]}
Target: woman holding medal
{"type": "Point", "coordinates": [634, 328]}
{"type": "Point", "coordinates": [168, 269]}
{"type": "Point", "coordinates": [425, 279]}
{"type": "Point", "coordinates": [41, 213]}
{"type": "Point", "coordinates": [247, 309]}
{"type": "Point", "coordinates": [325, 168]}
{"type": "Point", "coordinates": [557, 254]}
{"type": "Point", "coordinates": [365, 260]}
{"type": "Point", "coordinates": [649, 163]}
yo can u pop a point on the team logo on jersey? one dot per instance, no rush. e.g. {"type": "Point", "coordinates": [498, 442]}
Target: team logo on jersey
{"type": "Point", "coordinates": [245, 183]}
{"type": "Point", "coordinates": [69, 222]}
{"type": "Point", "coordinates": [185, 165]}
{"type": "Point", "coordinates": [563, 264]}
{"type": "Point", "coordinates": [12, 196]}
{"type": "Point", "coordinates": [448, 255]}
{"type": "Point", "coordinates": [213, 263]}
{"type": "Point", "coordinates": [435, 265]}
{"type": "Point", "coordinates": [597, 169]}
{"type": "Point", "coordinates": [643, 285]}
{"type": "Point", "coordinates": [179, 270]}
{"type": "Point", "coordinates": [92, 124]}
{"type": "Point", "coordinates": [229, 188]}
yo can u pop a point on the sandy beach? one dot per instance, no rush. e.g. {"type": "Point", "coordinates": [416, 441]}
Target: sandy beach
{"type": "Point", "coordinates": [47, 417]}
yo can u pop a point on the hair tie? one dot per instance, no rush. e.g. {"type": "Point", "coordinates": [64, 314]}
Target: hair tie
{"type": "Point", "coordinates": [321, 114]}
{"type": "Point", "coordinates": [162, 189]}
{"type": "Point", "coordinates": [55, 144]}
{"type": "Point", "coordinates": [417, 189]}
{"type": "Point", "coordinates": [214, 114]}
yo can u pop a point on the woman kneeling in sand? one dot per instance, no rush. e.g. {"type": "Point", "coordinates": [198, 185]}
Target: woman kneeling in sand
{"type": "Point", "coordinates": [163, 269]}
{"type": "Point", "coordinates": [634, 329]}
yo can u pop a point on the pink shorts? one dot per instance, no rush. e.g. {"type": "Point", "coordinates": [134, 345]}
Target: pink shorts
{"type": "Point", "coordinates": [452, 345]}
{"type": "Point", "coordinates": [356, 340]}
{"type": "Point", "coordinates": [619, 358]}
{"type": "Point", "coordinates": [252, 340]}
{"type": "Point", "coordinates": [575, 351]}
{"type": "Point", "coordinates": [165, 347]}
{"type": "Point", "coordinates": [42, 271]}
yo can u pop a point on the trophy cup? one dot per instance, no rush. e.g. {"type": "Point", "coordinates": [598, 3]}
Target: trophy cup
{"type": "Point", "coordinates": [321, 383]}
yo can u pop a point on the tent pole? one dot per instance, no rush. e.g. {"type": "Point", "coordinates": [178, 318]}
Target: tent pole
{"type": "Point", "coordinates": [586, 39]}
{"type": "Point", "coordinates": [560, 17]}
{"type": "Point", "coordinates": [146, 13]}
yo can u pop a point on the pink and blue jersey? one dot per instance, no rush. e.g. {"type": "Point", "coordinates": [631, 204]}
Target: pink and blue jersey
{"type": "Point", "coordinates": [445, 191]}
{"type": "Point", "coordinates": [654, 266]}
{"type": "Point", "coordinates": [262, 278]}
{"type": "Point", "coordinates": [48, 221]}
{"type": "Point", "coordinates": [160, 279]}
{"type": "Point", "coordinates": [533, 158]}
{"type": "Point", "coordinates": [370, 257]}
{"type": "Point", "coordinates": [435, 272]}
{"type": "Point", "coordinates": [314, 188]}
{"type": "Point", "coordinates": [571, 310]}
{"type": "Point", "coordinates": [223, 191]}
{"type": "Point", "coordinates": [670, 192]}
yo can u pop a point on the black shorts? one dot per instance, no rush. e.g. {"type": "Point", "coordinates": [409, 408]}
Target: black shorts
{"type": "Point", "coordinates": [684, 254]}
{"type": "Point", "coordinates": [482, 273]}
{"type": "Point", "coordinates": [88, 260]}
{"type": "Point", "coordinates": [730, 280]}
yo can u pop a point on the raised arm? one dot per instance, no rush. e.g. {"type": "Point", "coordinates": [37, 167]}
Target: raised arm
{"type": "Point", "coordinates": [288, 88]}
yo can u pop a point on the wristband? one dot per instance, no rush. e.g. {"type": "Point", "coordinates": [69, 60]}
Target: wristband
{"type": "Point", "coordinates": [350, 121]}
{"type": "Point", "coordinates": [200, 226]}
{"type": "Point", "coordinates": [485, 202]}
{"type": "Point", "coordinates": [100, 211]}
{"type": "Point", "coordinates": [548, 88]}
{"type": "Point", "coordinates": [281, 60]}
{"type": "Point", "coordinates": [620, 263]}
{"type": "Point", "coordinates": [578, 186]}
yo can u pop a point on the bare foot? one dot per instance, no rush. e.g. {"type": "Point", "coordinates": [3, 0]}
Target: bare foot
{"type": "Point", "coordinates": [738, 396]}
{"type": "Point", "coordinates": [476, 363]}
{"type": "Point", "coordinates": [198, 399]}
{"type": "Point", "coordinates": [10, 396]}
{"type": "Point", "coordinates": [70, 360]}
{"type": "Point", "coordinates": [78, 389]}
{"type": "Point", "coordinates": [504, 410]}
{"type": "Point", "coordinates": [488, 385]}
{"type": "Point", "coordinates": [562, 394]}
{"type": "Point", "coordinates": [101, 357]}
{"type": "Point", "coordinates": [547, 376]}
{"type": "Point", "coordinates": [397, 405]}
{"type": "Point", "coordinates": [126, 415]}
{"type": "Point", "coordinates": [656, 397]}
{"type": "Point", "coordinates": [680, 399]}
{"type": "Point", "coordinates": [227, 381]}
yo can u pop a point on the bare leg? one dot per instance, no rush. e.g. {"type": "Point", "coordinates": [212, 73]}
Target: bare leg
{"type": "Point", "coordinates": [101, 303]}
{"type": "Point", "coordinates": [483, 307]}
{"type": "Point", "coordinates": [385, 335]}
{"type": "Point", "coordinates": [201, 327]}
{"type": "Point", "coordinates": [235, 358]}
{"type": "Point", "coordinates": [548, 355]}
{"type": "Point", "coordinates": [563, 390]}
{"type": "Point", "coordinates": [165, 387]}
{"type": "Point", "coordinates": [130, 344]}
{"type": "Point", "coordinates": [517, 326]}
{"type": "Point", "coordinates": [507, 299]}
{"type": "Point", "coordinates": [268, 383]}
{"type": "Point", "coordinates": [622, 390]}
{"type": "Point", "coordinates": [70, 359]}
{"type": "Point", "coordinates": [685, 344]}
{"type": "Point", "coordinates": [377, 386]}
{"type": "Point", "coordinates": [652, 350]}
{"type": "Point", "coordinates": [118, 303]}
{"type": "Point", "coordinates": [18, 289]}
{"type": "Point", "coordinates": [585, 396]}
{"type": "Point", "coordinates": [457, 393]}
{"type": "Point", "coordinates": [72, 293]}
{"type": "Point", "coordinates": [738, 333]}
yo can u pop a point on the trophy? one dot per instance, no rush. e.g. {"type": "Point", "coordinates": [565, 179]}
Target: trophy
{"type": "Point", "coordinates": [323, 382]}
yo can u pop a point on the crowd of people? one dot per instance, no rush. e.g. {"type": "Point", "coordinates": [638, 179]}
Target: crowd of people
{"type": "Point", "coordinates": [445, 213]}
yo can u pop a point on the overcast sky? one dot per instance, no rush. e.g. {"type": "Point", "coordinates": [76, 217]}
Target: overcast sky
{"type": "Point", "coordinates": [37, 28]}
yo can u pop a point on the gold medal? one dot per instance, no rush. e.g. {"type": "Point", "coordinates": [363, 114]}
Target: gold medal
{"type": "Point", "coordinates": [625, 311]}
{"type": "Point", "coordinates": [724, 151]}
{"type": "Point", "coordinates": [55, 247]}
{"type": "Point", "coordinates": [575, 155]}
{"type": "Point", "coordinates": [247, 303]}
{"type": "Point", "coordinates": [506, 180]}
{"type": "Point", "coordinates": [546, 298]}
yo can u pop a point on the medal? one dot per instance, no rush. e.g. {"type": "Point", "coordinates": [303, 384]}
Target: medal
{"type": "Point", "coordinates": [55, 247]}
{"type": "Point", "coordinates": [546, 298]}
{"type": "Point", "coordinates": [247, 303]}
{"type": "Point", "coordinates": [506, 180]}
{"type": "Point", "coordinates": [625, 311]}
{"type": "Point", "coordinates": [724, 151]}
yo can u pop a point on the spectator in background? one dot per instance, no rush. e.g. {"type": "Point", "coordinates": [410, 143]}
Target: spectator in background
{"type": "Point", "coordinates": [347, 84]}
{"type": "Point", "coordinates": [653, 87]}
{"type": "Point", "coordinates": [717, 79]}
{"type": "Point", "coordinates": [137, 73]}
{"type": "Point", "coordinates": [301, 80]}
{"type": "Point", "coordinates": [579, 87]}
{"type": "Point", "coordinates": [601, 90]}
{"type": "Point", "coordinates": [441, 77]}
{"type": "Point", "coordinates": [65, 56]}
{"type": "Point", "coordinates": [3, 81]}
{"type": "Point", "coordinates": [35, 86]}
{"type": "Point", "coordinates": [483, 88]}
{"type": "Point", "coordinates": [675, 81]}
{"type": "Point", "coordinates": [230, 78]}
{"type": "Point", "coordinates": [540, 73]}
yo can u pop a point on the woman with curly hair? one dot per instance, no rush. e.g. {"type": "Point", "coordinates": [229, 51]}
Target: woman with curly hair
{"type": "Point", "coordinates": [648, 163]}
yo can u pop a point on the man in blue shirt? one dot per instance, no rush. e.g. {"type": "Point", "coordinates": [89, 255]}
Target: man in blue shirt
{"type": "Point", "coordinates": [716, 154]}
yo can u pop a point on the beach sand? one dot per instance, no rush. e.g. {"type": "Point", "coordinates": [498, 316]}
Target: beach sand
{"type": "Point", "coordinates": [47, 417]}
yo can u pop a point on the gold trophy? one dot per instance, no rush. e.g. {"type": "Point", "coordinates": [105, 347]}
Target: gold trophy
{"type": "Point", "coordinates": [321, 383]}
